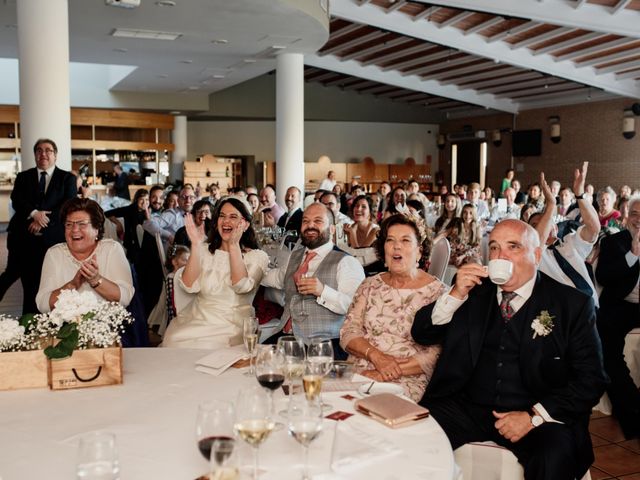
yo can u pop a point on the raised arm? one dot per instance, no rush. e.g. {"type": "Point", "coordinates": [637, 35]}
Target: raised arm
{"type": "Point", "coordinates": [589, 215]}
{"type": "Point", "coordinates": [546, 221]}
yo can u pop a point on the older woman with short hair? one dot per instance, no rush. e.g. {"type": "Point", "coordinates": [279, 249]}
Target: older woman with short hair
{"type": "Point", "coordinates": [377, 328]}
{"type": "Point", "coordinates": [85, 262]}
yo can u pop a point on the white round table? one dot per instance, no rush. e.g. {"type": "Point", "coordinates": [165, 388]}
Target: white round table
{"type": "Point", "coordinates": [153, 417]}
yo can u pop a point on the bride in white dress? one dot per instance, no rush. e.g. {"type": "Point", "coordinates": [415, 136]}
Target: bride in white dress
{"type": "Point", "coordinates": [224, 273]}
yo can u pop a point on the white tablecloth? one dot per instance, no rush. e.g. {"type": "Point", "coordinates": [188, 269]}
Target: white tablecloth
{"type": "Point", "coordinates": [153, 417]}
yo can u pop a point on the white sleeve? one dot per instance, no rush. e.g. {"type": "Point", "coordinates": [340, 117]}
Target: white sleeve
{"type": "Point", "coordinates": [52, 278]}
{"type": "Point", "coordinates": [256, 262]}
{"type": "Point", "coordinates": [117, 270]}
{"type": "Point", "coordinates": [349, 276]}
{"type": "Point", "coordinates": [445, 307]}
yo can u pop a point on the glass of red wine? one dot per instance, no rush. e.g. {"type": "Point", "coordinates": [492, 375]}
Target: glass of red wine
{"type": "Point", "coordinates": [214, 424]}
{"type": "Point", "coordinates": [270, 367]}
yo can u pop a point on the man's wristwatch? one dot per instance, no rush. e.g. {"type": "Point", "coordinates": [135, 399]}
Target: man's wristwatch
{"type": "Point", "coordinates": [536, 420]}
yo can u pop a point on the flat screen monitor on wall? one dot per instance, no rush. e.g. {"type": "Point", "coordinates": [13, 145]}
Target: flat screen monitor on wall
{"type": "Point", "coordinates": [526, 143]}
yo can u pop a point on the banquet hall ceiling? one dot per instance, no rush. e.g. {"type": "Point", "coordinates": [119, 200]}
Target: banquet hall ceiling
{"type": "Point", "coordinates": [457, 57]}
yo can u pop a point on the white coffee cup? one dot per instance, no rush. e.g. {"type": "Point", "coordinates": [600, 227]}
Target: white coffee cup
{"type": "Point", "coordinates": [500, 271]}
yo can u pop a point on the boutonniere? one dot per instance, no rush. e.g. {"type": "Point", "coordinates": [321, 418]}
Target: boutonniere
{"type": "Point", "coordinates": [542, 324]}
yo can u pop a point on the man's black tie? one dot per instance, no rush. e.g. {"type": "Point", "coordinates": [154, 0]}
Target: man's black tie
{"type": "Point", "coordinates": [42, 184]}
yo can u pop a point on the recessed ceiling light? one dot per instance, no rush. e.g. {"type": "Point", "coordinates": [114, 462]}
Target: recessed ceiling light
{"type": "Point", "coordinates": [186, 61]}
{"type": "Point", "coordinates": [120, 50]}
{"type": "Point", "coordinates": [175, 112]}
{"type": "Point", "coordinates": [194, 87]}
{"type": "Point", "coordinates": [249, 60]}
{"type": "Point", "coordinates": [146, 34]}
{"type": "Point", "coordinates": [220, 41]}
{"type": "Point", "coordinates": [218, 76]}
{"type": "Point", "coordinates": [166, 3]}
{"type": "Point", "coordinates": [163, 75]}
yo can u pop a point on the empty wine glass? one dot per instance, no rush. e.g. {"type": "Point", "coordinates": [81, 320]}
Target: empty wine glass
{"type": "Point", "coordinates": [214, 423]}
{"type": "Point", "coordinates": [305, 423]}
{"type": "Point", "coordinates": [292, 349]}
{"type": "Point", "coordinates": [319, 363]}
{"type": "Point", "coordinates": [253, 422]}
{"type": "Point", "coordinates": [303, 312]}
{"type": "Point", "coordinates": [250, 336]}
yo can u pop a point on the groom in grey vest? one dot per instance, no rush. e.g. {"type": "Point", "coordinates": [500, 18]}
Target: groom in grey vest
{"type": "Point", "coordinates": [319, 282]}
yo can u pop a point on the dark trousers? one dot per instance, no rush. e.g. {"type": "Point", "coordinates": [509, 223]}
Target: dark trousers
{"type": "Point", "coordinates": [31, 254]}
{"type": "Point", "coordinates": [547, 452]}
{"type": "Point", "coordinates": [615, 320]}
{"type": "Point", "coordinates": [12, 271]}
{"type": "Point", "coordinates": [338, 352]}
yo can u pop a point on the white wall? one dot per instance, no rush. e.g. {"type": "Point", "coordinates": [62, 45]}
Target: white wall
{"type": "Point", "coordinates": [341, 141]}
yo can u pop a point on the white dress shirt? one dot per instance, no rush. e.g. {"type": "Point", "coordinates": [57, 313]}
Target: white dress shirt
{"type": "Point", "coordinates": [349, 275]}
{"type": "Point", "coordinates": [166, 224]}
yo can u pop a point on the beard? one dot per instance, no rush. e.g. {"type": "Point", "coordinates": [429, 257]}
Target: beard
{"type": "Point", "coordinates": [321, 238]}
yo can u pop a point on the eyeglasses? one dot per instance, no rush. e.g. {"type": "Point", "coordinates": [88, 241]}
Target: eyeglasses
{"type": "Point", "coordinates": [48, 151]}
{"type": "Point", "coordinates": [188, 197]}
{"type": "Point", "coordinates": [81, 224]}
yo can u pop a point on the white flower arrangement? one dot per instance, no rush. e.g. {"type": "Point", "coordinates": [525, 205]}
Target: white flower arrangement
{"type": "Point", "coordinates": [14, 337]}
{"type": "Point", "coordinates": [542, 325]}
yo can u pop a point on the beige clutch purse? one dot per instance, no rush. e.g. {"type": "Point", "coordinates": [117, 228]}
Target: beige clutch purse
{"type": "Point", "coordinates": [391, 410]}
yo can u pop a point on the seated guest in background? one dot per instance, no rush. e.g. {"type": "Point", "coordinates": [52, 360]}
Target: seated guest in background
{"type": "Point", "coordinates": [397, 202]}
{"type": "Point", "coordinates": [526, 211]}
{"type": "Point", "coordinates": [202, 212]}
{"type": "Point", "coordinates": [133, 215]}
{"type": "Point", "coordinates": [251, 189]}
{"type": "Point", "coordinates": [452, 208]}
{"type": "Point", "coordinates": [623, 208]}
{"type": "Point", "coordinates": [489, 197]}
{"type": "Point", "coordinates": [607, 214]}
{"type": "Point", "coordinates": [413, 188]}
{"type": "Point", "coordinates": [377, 328]}
{"type": "Point", "coordinates": [473, 198]}
{"type": "Point", "coordinates": [625, 192]}
{"type": "Point", "coordinates": [555, 188]}
{"type": "Point", "coordinates": [214, 194]}
{"type": "Point", "coordinates": [521, 198]}
{"type": "Point", "coordinates": [618, 272]}
{"type": "Point", "coordinates": [156, 195]}
{"type": "Point", "coordinates": [171, 219]}
{"type": "Point", "coordinates": [85, 262]}
{"type": "Point", "coordinates": [330, 200]}
{"type": "Point", "coordinates": [319, 281]}
{"type": "Point", "coordinates": [292, 220]}
{"type": "Point", "coordinates": [565, 201]}
{"type": "Point", "coordinates": [534, 197]}
{"type": "Point", "coordinates": [564, 261]}
{"type": "Point", "coordinates": [171, 200]}
{"type": "Point", "coordinates": [520, 362]}
{"type": "Point", "coordinates": [512, 210]}
{"type": "Point", "coordinates": [416, 207]}
{"type": "Point", "coordinates": [271, 210]}
{"type": "Point", "coordinates": [362, 233]}
{"type": "Point", "coordinates": [224, 273]}
{"type": "Point", "coordinates": [254, 202]}
{"type": "Point", "coordinates": [383, 193]}
{"type": "Point", "coordinates": [464, 236]}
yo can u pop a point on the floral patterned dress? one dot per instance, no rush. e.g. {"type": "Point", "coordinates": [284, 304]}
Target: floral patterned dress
{"type": "Point", "coordinates": [383, 315]}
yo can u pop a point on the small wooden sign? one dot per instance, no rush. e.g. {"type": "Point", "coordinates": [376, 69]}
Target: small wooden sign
{"type": "Point", "coordinates": [87, 368]}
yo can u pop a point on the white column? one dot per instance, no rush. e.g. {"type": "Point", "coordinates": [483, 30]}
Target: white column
{"type": "Point", "coordinates": [43, 48]}
{"type": "Point", "coordinates": [289, 123]}
{"type": "Point", "coordinates": [179, 136]}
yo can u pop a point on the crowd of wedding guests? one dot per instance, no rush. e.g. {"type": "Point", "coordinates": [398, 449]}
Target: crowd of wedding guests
{"type": "Point", "coordinates": [193, 260]}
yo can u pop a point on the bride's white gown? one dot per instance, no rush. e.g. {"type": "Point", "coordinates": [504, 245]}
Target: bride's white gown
{"type": "Point", "coordinates": [214, 318]}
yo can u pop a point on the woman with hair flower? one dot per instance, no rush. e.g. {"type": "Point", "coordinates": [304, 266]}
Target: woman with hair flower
{"type": "Point", "coordinates": [377, 328]}
{"type": "Point", "coordinates": [224, 274]}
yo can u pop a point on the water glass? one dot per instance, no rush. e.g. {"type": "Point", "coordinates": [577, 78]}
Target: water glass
{"type": "Point", "coordinates": [98, 457]}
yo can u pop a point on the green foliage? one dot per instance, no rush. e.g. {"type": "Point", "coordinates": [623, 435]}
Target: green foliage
{"type": "Point", "coordinates": [68, 336]}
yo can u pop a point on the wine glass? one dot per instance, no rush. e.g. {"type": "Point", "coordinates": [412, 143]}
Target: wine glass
{"type": "Point", "coordinates": [303, 312]}
{"type": "Point", "coordinates": [319, 363]}
{"type": "Point", "coordinates": [292, 349]}
{"type": "Point", "coordinates": [250, 337]}
{"type": "Point", "coordinates": [305, 423]}
{"type": "Point", "coordinates": [253, 422]}
{"type": "Point", "coordinates": [214, 423]}
{"type": "Point", "coordinates": [270, 369]}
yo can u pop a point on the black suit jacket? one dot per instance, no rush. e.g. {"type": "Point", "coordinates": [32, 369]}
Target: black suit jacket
{"type": "Point", "coordinates": [562, 370]}
{"type": "Point", "coordinates": [24, 198]}
{"type": "Point", "coordinates": [294, 223]}
{"type": "Point", "coordinates": [613, 272]}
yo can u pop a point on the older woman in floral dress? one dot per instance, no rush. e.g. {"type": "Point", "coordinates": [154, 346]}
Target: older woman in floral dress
{"type": "Point", "coordinates": [377, 328]}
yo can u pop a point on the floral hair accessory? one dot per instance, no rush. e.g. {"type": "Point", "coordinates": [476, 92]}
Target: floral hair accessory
{"type": "Point", "coordinates": [542, 324]}
{"type": "Point", "coordinates": [419, 223]}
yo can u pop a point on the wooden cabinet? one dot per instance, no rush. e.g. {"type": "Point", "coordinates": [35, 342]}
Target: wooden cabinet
{"type": "Point", "coordinates": [207, 170]}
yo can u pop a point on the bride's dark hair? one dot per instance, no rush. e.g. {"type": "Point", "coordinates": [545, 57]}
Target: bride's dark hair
{"type": "Point", "coordinates": [248, 239]}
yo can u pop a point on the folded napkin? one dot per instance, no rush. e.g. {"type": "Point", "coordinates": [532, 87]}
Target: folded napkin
{"type": "Point", "coordinates": [217, 362]}
{"type": "Point", "coordinates": [354, 448]}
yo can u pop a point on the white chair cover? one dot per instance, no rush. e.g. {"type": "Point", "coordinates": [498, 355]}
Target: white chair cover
{"type": "Point", "coordinates": [439, 258]}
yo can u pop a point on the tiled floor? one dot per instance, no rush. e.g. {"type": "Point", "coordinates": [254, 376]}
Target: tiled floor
{"type": "Point", "coordinates": [615, 457]}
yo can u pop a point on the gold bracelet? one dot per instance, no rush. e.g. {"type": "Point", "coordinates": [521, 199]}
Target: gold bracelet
{"type": "Point", "coordinates": [366, 353]}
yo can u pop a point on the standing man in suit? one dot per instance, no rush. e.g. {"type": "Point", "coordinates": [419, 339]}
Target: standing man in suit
{"type": "Point", "coordinates": [121, 183]}
{"type": "Point", "coordinates": [618, 272]}
{"type": "Point", "coordinates": [37, 197]}
{"type": "Point", "coordinates": [521, 362]}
